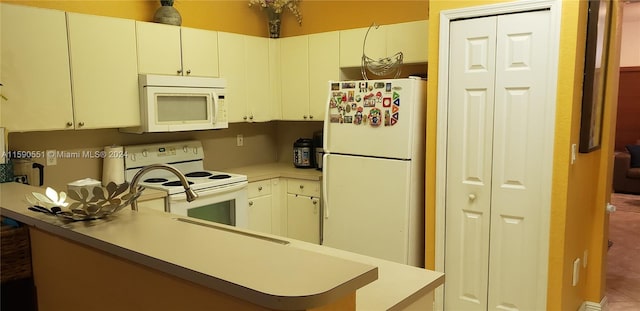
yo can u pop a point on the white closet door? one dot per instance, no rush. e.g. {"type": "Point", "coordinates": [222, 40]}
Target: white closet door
{"type": "Point", "coordinates": [495, 253]}
{"type": "Point", "coordinates": [518, 253]}
{"type": "Point", "coordinates": [469, 156]}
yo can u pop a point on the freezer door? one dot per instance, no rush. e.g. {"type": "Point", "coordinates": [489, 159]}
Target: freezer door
{"type": "Point", "coordinates": [366, 207]}
{"type": "Point", "coordinates": [381, 118]}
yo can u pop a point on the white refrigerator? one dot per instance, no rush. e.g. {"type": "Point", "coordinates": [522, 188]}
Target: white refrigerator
{"type": "Point", "coordinates": [373, 169]}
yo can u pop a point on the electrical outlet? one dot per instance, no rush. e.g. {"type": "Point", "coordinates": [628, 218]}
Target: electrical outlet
{"type": "Point", "coordinates": [576, 271]}
{"type": "Point", "coordinates": [51, 158]}
{"type": "Point", "coordinates": [239, 140]}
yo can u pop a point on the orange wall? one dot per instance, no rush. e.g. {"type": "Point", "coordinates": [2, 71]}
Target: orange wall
{"type": "Point", "coordinates": [580, 191]}
{"type": "Point", "coordinates": [236, 16]}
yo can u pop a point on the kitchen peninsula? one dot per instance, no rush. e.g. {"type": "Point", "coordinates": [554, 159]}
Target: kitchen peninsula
{"type": "Point", "coordinates": [155, 261]}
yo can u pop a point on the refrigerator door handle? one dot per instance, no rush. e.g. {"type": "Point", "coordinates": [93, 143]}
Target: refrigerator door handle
{"type": "Point", "coordinates": [325, 126]}
{"type": "Point", "coordinates": [325, 158]}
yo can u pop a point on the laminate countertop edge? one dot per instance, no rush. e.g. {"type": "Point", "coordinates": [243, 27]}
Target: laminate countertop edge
{"type": "Point", "coordinates": [276, 170]}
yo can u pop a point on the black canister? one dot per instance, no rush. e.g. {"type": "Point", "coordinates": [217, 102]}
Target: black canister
{"type": "Point", "coordinates": [303, 156]}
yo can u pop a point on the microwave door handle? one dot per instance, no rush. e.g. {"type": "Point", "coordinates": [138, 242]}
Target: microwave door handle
{"type": "Point", "coordinates": [215, 107]}
{"type": "Point", "coordinates": [209, 192]}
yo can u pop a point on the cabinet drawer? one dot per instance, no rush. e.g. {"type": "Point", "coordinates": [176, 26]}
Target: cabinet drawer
{"type": "Point", "coordinates": [259, 188]}
{"type": "Point", "coordinates": [303, 187]}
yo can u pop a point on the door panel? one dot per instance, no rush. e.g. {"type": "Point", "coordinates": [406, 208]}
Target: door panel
{"type": "Point", "coordinates": [516, 208]}
{"type": "Point", "coordinates": [469, 157]}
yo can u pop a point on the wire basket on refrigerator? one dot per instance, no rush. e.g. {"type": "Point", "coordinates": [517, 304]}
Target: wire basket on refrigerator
{"type": "Point", "coordinates": [382, 67]}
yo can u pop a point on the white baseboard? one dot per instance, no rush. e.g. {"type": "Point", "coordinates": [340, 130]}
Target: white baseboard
{"type": "Point", "coordinates": [595, 306]}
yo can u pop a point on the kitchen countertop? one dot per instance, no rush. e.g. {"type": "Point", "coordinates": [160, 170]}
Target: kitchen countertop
{"type": "Point", "coordinates": [148, 238]}
{"type": "Point", "coordinates": [275, 170]}
{"type": "Point", "coordinates": [227, 264]}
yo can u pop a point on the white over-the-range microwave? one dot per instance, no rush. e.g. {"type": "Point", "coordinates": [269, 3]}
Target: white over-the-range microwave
{"type": "Point", "coordinates": [180, 103]}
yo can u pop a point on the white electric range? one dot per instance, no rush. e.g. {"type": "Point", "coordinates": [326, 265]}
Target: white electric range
{"type": "Point", "coordinates": [222, 197]}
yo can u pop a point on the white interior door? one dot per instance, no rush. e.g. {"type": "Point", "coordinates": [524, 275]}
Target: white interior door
{"type": "Point", "coordinates": [496, 250]}
{"type": "Point", "coordinates": [469, 155]}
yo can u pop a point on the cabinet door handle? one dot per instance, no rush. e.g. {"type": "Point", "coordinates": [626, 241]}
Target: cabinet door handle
{"type": "Point", "coordinates": [310, 117]}
{"type": "Point", "coordinates": [179, 71]}
{"type": "Point", "coordinates": [315, 206]}
{"type": "Point", "coordinates": [250, 203]}
{"type": "Point", "coordinates": [304, 117]}
{"type": "Point", "coordinates": [472, 197]}
{"type": "Point", "coordinates": [260, 188]}
{"type": "Point", "coordinates": [244, 118]}
{"type": "Point", "coordinates": [188, 71]}
{"type": "Point", "coordinates": [80, 124]}
{"type": "Point", "coordinates": [301, 186]}
{"type": "Point", "coordinates": [69, 124]}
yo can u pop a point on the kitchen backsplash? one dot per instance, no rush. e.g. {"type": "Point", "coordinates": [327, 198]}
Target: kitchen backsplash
{"type": "Point", "coordinates": [263, 143]}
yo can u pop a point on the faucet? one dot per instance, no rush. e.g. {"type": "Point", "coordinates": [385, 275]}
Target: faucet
{"type": "Point", "coordinates": [136, 178]}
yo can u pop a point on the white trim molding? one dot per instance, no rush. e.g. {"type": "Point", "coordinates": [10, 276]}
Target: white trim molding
{"type": "Point", "coordinates": [594, 306]}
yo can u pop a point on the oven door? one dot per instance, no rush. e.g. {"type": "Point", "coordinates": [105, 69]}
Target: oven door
{"type": "Point", "coordinates": [225, 204]}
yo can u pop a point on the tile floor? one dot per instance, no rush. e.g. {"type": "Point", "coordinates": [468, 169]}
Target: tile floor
{"type": "Point", "coordinates": [623, 262]}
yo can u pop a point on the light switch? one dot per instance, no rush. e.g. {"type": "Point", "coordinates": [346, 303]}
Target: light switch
{"type": "Point", "coordinates": [576, 271]}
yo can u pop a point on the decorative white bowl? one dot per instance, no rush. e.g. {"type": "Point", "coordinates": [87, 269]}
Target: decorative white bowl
{"type": "Point", "coordinates": [100, 203]}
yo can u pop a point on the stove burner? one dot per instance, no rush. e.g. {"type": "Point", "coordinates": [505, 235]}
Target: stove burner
{"type": "Point", "coordinates": [174, 183]}
{"type": "Point", "coordinates": [198, 174]}
{"type": "Point", "coordinates": [155, 180]}
{"type": "Point", "coordinates": [220, 176]}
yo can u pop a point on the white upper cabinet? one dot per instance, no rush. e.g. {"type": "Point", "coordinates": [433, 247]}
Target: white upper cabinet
{"type": "Point", "coordinates": [324, 66]}
{"type": "Point", "coordinates": [259, 102]}
{"type": "Point", "coordinates": [233, 68]}
{"type": "Point", "coordinates": [244, 63]}
{"type": "Point", "coordinates": [410, 38]}
{"type": "Point", "coordinates": [77, 71]}
{"type": "Point", "coordinates": [159, 49]}
{"type": "Point", "coordinates": [352, 40]}
{"type": "Point", "coordinates": [105, 92]}
{"type": "Point", "coordinates": [294, 65]}
{"type": "Point", "coordinates": [35, 69]}
{"type": "Point", "coordinates": [308, 63]}
{"type": "Point", "coordinates": [173, 50]}
{"type": "Point", "coordinates": [275, 79]}
{"type": "Point", "coordinates": [199, 52]}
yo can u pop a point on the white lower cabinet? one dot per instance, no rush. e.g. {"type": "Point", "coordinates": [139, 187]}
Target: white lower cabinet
{"type": "Point", "coordinates": [286, 207]}
{"type": "Point", "coordinates": [264, 206]}
{"type": "Point", "coordinates": [303, 218]}
{"type": "Point", "coordinates": [303, 210]}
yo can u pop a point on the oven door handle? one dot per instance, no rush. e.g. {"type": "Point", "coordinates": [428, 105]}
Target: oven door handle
{"type": "Point", "coordinates": [210, 192]}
